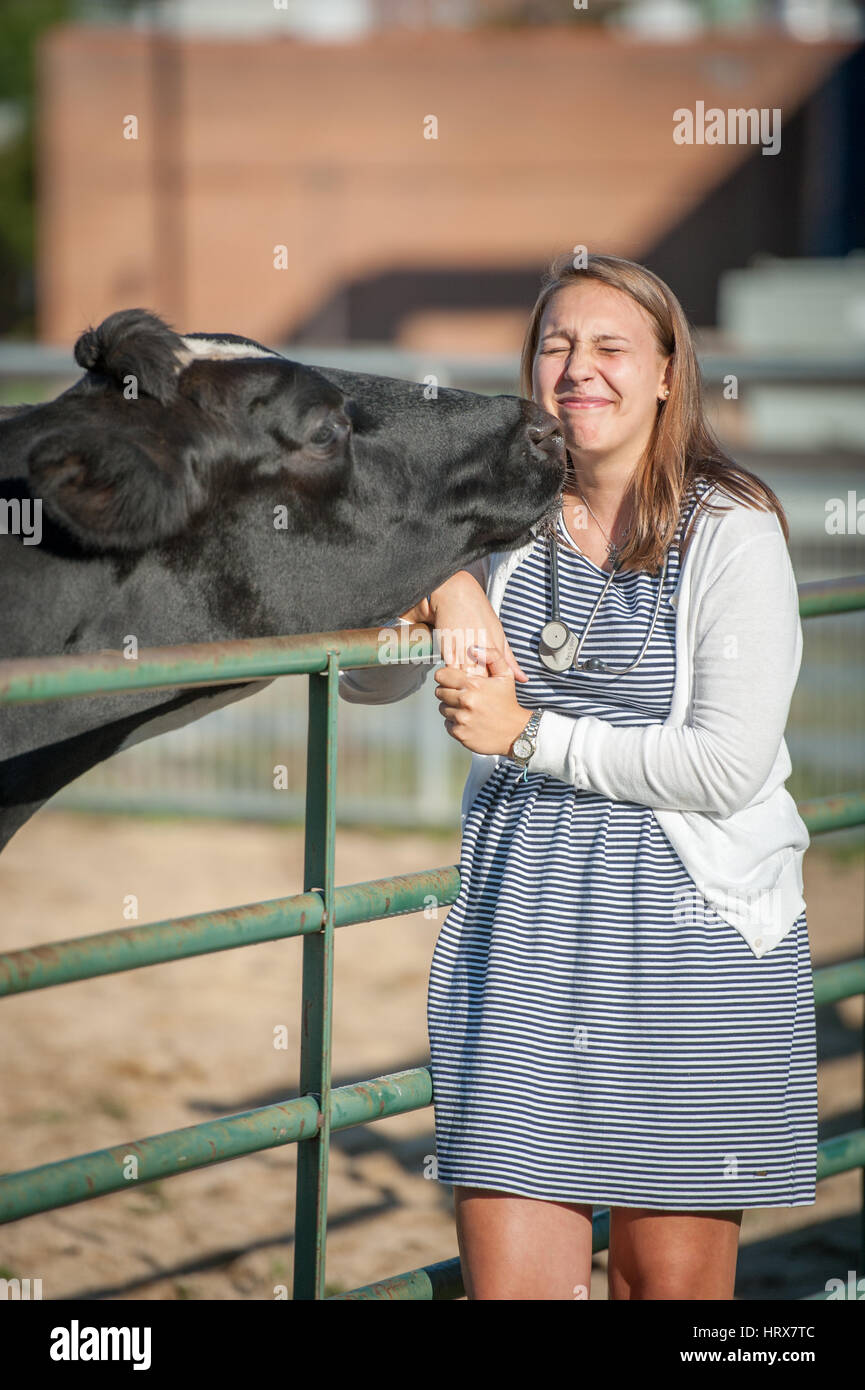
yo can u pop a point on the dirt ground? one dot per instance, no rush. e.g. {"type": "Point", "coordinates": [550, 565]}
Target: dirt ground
{"type": "Point", "coordinates": [110, 1060]}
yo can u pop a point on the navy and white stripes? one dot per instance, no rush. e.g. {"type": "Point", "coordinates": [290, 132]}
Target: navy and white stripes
{"type": "Point", "coordinates": [597, 1033]}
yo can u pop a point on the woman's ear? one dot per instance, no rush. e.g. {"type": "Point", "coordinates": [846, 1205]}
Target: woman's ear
{"type": "Point", "coordinates": [666, 381]}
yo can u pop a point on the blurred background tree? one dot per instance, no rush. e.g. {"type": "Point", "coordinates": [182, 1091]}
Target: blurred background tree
{"type": "Point", "coordinates": [21, 23]}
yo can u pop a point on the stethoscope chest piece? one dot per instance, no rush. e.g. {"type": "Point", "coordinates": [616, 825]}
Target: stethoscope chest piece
{"type": "Point", "coordinates": [557, 645]}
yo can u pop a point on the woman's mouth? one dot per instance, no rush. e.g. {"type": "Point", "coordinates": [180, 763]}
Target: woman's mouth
{"type": "Point", "coordinates": [584, 402]}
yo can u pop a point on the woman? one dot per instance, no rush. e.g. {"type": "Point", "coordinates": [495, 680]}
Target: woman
{"type": "Point", "coordinates": [620, 1003]}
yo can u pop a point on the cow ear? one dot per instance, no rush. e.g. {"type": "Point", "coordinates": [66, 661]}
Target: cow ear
{"type": "Point", "coordinates": [113, 492]}
{"type": "Point", "coordinates": [135, 344]}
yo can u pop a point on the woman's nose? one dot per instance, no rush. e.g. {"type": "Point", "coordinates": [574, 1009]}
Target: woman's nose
{"type": "Point", "coordinates": [577, 367]}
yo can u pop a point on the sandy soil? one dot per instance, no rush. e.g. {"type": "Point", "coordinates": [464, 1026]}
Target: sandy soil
{"type": "Point", "coordinates": [106, 1061]}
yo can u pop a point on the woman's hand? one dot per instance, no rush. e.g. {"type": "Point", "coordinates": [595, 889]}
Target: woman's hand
{"type": "Point", "coordinates": [476, 685]}
{"type": "Point", "coordinates": [464, 618]}
{"type": "Point", "coordinates": [482, 712]}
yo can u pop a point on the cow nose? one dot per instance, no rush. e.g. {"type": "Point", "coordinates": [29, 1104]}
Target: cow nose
{"type": "Point", "coordinates": [548, 437]}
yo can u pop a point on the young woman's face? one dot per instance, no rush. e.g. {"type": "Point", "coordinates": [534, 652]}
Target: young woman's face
{"type": "Point", "coordinates": [598, 368]}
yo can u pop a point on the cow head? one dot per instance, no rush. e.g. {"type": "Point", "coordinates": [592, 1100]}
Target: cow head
{"type": "Point", "coordinates": [205, 488]}
{"type": "Point", "coordinates": [165, 431]}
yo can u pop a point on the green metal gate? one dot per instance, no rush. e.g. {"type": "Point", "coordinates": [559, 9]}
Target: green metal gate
{"type": "Point", "coordinates": [315, 913]}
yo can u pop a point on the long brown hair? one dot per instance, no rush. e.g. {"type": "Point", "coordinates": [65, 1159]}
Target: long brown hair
{"type": "Point", "coordinates": [682, 446]}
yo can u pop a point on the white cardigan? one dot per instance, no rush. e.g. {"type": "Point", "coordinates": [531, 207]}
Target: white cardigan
{"type": "Point", "coordinates": [714, 771]}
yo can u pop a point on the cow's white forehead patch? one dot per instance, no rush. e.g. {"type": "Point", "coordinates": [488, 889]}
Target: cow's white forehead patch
{"type": "Point", "coordinates": [216, 349]}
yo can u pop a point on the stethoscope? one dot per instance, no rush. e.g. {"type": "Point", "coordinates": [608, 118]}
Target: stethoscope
{"type": "Point", "coordinates": [559, 648]}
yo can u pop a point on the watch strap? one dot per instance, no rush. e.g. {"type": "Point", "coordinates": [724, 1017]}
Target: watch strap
{"type": "Point", "coordinates": [528, 732]}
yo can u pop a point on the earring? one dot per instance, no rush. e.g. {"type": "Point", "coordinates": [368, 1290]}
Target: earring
{"type": "Point", "coordinates": [666, 393]}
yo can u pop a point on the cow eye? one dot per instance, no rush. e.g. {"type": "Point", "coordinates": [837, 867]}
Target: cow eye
{"type": "Point", "coordinates": [328, 431]}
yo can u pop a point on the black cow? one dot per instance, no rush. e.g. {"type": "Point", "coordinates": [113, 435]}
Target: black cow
{"type": "Point", "coordinates": [203, 487]}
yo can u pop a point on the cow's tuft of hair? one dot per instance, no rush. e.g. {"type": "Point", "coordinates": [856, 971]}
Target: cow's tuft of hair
{"type": "Point", "coordinates": [88, 349]}
{"type": "Point", "coordinates": [134, 343]}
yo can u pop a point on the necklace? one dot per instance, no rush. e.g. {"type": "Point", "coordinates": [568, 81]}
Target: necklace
{"type": "Point", "coordinates": [613, 550]}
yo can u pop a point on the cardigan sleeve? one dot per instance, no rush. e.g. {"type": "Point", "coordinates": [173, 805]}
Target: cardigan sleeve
{"type": "Point", "coordinates": [387, 681]}
{"type": "Point", "coordinates": [390, 681]}
{"type": "Point", "coordinates": [747, 652]}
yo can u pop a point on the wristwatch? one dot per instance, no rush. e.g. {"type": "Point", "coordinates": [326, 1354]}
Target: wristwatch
{"type": "Point", "coordinates": [524, 743]}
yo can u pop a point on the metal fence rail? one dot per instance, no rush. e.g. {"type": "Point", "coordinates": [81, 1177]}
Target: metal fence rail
{"type": "Point", "coordinates": [398, 767]}
{"type": "Point", "coordinates": [314, 914]}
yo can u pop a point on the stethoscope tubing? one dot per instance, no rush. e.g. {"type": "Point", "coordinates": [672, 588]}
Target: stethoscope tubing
{"type": "Point", "coordinates": [556, 618]}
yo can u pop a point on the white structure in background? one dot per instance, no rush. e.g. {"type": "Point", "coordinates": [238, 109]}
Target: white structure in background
{"type": "Point", "coordinates": [660, 19]}
{"type": "Point", "coordinates": [813, 20]}
{"type": "Point", "coordinates": [344, 20]}
{"type": "Point", "coordinates": [809, 20]}
{"type": "Point", "coordinates": [800, 308]}
{"type": "Point", "coordinates": [324, 20]}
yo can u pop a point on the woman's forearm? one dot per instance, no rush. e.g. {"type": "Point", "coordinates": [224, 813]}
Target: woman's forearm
{"type": "Point", "coordinates": [424, 612]}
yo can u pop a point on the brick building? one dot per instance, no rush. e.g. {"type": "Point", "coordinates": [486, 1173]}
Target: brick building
{"type": "Point", "coordinates": [172, 168]}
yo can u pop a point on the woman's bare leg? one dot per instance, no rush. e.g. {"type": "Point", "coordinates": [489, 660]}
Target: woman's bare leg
{"type": "Point", "coordinates": [672, 1255]}
{"type": "Point", "coordinates": [522, 1247]}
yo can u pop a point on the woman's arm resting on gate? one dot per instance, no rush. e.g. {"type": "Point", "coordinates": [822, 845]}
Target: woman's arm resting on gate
{"type": "Point", "coordinates": [390, 681]}
{"type": "Point", "coordinates": [747, 654]}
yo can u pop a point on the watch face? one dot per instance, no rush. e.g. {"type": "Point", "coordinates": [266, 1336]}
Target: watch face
{"type": "Point", "coordinates": [522, 747]}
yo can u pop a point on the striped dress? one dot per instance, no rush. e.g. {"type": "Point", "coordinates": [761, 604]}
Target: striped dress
{"type": "Point", "coordinates": [598, 1034]}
